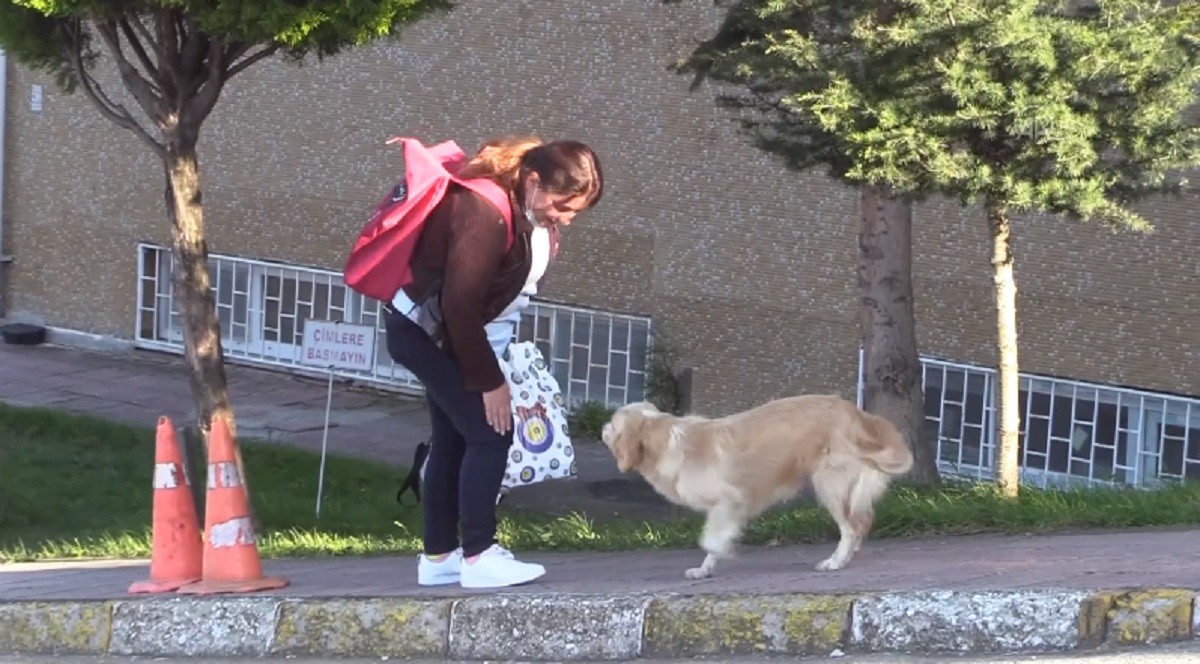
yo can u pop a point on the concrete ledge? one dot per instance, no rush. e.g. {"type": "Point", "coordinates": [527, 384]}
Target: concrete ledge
{"type": "Point", "coordinates": [179, 627]}
{"type": "Point", "coordinates": [1196, 617]}
{"type": "Point", "coordinates": [69, 338]}
{"type": "Point", "coordinates": [954, 621]}
{"type": "Point", "coordinates": [1150, 616]}
{"type": "Point", "coordinates": [556, 628]}
{"type": "Point", "coordinates": [80, 628]}
{"type": "Point", "coordinates": [394, 627]}
{"type": "Point", "coordinates": [604, 627]}
{"type": "Point", "coordinates": [61, 336]}
{"type": "Point", "coordinates": [745, 625]}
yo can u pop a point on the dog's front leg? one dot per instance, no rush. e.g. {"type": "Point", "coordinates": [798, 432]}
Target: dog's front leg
{"type": "Point", "coordinates": [721, 530]}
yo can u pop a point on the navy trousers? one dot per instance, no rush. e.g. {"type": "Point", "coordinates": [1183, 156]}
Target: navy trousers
{"type": "Point", "coordinates": [467, 457]}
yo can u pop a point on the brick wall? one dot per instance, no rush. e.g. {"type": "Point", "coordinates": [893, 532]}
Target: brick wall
{"type": "Point", "coordinates": [747, 267]}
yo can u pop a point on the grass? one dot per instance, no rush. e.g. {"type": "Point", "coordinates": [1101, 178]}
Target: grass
{"type": "Point", "coordinates": [78, 487]}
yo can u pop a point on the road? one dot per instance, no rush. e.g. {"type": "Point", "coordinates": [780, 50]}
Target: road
{"type": "Point", "coordinates": [1171, 654]}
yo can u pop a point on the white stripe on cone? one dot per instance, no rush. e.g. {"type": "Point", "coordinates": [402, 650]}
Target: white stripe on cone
{"type": "Point", "coordinates": [234, 532]}
{"type": "Point", "coordinates": [224, 475]}
{"type": "Point", "coordinates": [166, 476]}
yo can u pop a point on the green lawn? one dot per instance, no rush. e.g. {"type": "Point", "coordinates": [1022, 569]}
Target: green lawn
{"type": "Point", "coordinates": [74, 486]}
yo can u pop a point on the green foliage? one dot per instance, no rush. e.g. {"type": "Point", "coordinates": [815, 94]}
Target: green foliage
{"type": "Point", "coordinates": [321, 26]}
{"type": "Point", "coordinates": [662, 382]}
{"type": "Point", "coordinates": [1075, 107]}
{"type": "Point", "coordinates": [168, 41]}
{"type": "Point", "coordinates": [588, 419]}
{"type": "Point", "coordinates": [78, 487]}
{"type": "Point", "coordinates": [38, 41]}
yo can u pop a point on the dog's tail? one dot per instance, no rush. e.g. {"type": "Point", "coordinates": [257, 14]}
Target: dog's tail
{"type": "Point", "coordinates": [883, 445]}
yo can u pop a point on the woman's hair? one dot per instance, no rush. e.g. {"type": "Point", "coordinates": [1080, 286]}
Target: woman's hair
{"type": "Point", "coordinates": [500, 160]}
{"type": "Point", "coordinates": [563, 167]}
{"type": "Point", "coordinates": [567, 167]}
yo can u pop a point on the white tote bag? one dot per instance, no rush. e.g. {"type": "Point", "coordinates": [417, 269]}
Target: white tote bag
{"type": "Point", "coordinates": [541, 448]}
{"type": "Point", "coordinates": [541, 443]}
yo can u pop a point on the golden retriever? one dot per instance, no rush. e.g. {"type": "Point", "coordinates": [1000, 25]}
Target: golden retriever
{"type": "Point", "coordinates": [734, 468]}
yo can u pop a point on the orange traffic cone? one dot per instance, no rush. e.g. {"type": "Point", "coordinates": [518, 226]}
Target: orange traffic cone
{"type": "Point", "coordinates": [231, 562]}
{"type": "Point", "coordinates": [176, 549]}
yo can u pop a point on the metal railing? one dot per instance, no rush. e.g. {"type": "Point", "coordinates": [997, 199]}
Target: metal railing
{"type": "Point", "coordinates": [262, 307]}
{"type": "Point", "coordinates": [1072, 433]}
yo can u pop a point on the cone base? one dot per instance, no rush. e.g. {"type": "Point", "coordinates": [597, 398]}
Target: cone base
{"type": "Point", "coordinates": [160, 585]}
{"type": "Point", "coordinates": [245, 586]}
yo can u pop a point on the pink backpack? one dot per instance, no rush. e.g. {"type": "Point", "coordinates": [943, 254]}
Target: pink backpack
{"type": "Point", "coordinates": [379, 263]}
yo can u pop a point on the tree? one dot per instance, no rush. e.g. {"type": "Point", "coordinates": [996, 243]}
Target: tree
{"type": "Point", "coordinates": [1077, 108]}
{"type": "Point", "coordinates": [174, 58]}
{"type": "Point", "coordinates": [740, 53]}
{"type": "Point", "coordinates": [892, 385]}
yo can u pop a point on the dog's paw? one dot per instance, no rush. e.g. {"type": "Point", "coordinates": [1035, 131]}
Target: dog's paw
{"type": "Point", "coordinates": [830, 565]}
{"type": "Point", "coordinates": [698, 573]}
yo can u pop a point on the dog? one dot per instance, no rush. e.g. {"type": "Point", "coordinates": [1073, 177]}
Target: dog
{"type": "Point", "coordinates": [736, 467]}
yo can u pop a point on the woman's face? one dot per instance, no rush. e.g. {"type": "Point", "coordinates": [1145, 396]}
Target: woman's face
{"type": "Point", "coordinates": [550, 209]}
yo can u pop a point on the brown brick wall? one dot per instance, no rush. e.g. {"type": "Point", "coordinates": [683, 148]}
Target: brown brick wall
{"type": "Point", "coordinates": [749, 268]}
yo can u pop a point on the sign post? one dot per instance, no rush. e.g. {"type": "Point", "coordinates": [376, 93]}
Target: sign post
{"type": "Point", "coordinates": [335, 345]}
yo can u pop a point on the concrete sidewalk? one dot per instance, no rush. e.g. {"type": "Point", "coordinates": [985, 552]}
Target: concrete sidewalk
{"type": "Point", "coordinates": [967, 594]}
{"type": "Point", "coordinates": [137, 387]}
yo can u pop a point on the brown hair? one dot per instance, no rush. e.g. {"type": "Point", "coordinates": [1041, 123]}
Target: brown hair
{"type": "Point", "coordinates": [567, 167]}
{"type": "Point", "coordinates": [499, 160]}
{"type": "Point", "coordinates": [563, 167]}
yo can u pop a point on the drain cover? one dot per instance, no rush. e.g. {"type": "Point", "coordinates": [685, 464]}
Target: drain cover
{"type": "Point", "coordinates": [23, 334]}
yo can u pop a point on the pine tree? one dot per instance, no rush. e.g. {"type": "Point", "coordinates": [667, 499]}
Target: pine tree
{"type": "Point", "coordinates": [1076, 108]}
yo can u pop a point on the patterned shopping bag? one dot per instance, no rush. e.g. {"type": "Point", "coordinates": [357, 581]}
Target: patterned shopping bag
{"type": "Point", "coordinates": [541, 448]}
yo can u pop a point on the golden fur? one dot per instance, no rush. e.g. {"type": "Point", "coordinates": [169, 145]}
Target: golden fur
{"type": "Point", "coordinates": [733, 468]}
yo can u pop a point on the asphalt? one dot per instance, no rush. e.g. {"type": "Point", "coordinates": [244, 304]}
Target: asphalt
{"type": "Point", "coordinates": [1071, 592]}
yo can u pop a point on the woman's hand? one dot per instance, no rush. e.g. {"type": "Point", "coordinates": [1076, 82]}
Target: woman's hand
{"type": "Point", "coordinates": [497, 405]}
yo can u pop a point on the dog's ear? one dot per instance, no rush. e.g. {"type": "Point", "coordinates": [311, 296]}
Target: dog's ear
{"type": "Point", "coordinates": [628, 451]}
{"type": "Point", "coordinates": [629, 447]}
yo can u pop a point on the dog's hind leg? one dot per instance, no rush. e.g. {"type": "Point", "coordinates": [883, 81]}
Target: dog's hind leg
{"type": "Point", "coordinates": [862, 526]}
{"type": "Point", "coordinates": [704, 570]}
{"type": "Point", "coordinates": [870, 486]}
{"type": "Point", "coordinates": [833, 491]}
{"type": "Point", "coordinates": [721, 530]}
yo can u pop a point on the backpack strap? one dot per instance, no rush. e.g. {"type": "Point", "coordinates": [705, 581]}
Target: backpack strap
{"type": "Point", "coordinates": [497, 196]}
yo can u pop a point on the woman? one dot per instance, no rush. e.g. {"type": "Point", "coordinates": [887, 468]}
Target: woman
{"type": "Point", "coordinates": [465, 277]}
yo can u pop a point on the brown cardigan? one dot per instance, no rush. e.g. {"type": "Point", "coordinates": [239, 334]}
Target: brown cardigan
{"type": "Point", "coordinates": [461, 254]}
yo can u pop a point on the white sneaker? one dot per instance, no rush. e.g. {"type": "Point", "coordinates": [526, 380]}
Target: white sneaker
{"type": "Point", "coordinates": [496, 568]}
{"type": "Point", "coordinates": [439, 573]}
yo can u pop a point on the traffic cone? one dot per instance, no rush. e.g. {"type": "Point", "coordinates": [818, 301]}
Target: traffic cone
{"type": "Point", "coordinates": [231, 562]}
{"type": "Point", "coordinates": [176, 549]}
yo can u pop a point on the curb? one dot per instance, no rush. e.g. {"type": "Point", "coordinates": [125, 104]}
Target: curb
{"type": "Point", "coordinates": [563, 627]}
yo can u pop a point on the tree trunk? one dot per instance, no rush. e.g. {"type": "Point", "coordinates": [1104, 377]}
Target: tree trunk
{"type": "Point", "coordinates": [1008, 452]}
{"type": "Point", "coordinates": [892, 385]}
{"type": "Point", "coordinates": [192, 288]}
